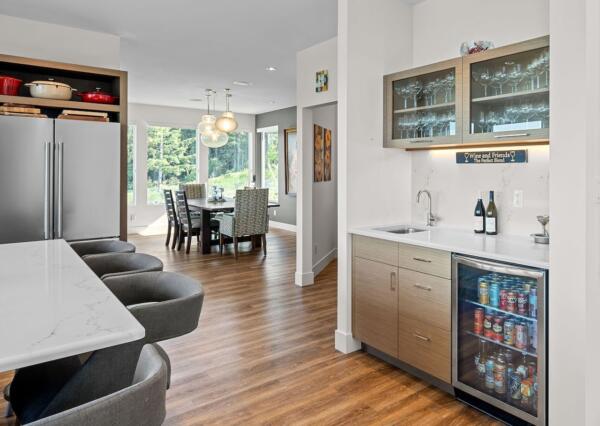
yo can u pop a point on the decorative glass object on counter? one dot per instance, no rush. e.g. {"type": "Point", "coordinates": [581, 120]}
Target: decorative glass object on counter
{"type": "Point", "coordinates": [423, 105]}
{"type": "Point", "coordinates": [509, 96]}
{"type": "Point", "coordinates": [500, 335]}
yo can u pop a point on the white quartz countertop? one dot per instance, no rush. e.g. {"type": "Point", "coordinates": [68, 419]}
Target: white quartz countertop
{"type": "Point", "coordinates": [53, 306]}
{"type": "Point", "coordinates": [512, 249]}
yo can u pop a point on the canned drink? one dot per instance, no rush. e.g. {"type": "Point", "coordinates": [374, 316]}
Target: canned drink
{"type": "Point", "coordinates": [494, 292]}
{"type": "Point", "coordinates": [484, 292]}
{"type": "Point", "coordinates": [526, 394]}
{"type": "Point", "coordinates": [509, 332]}
{"type": "Point", "coordinates": [502, 296]}
{"type": "Point", "coordinates": [523, 303]}
{"type": "Point", "coordinates": [531, 369]}
{"type": "Point", "coordinates": [533, 302]}
{"type": "Point", "coordinates": [498, 329]}
{"type": "Point", "coordinates": [478, 321]}
{"type": "Point", "coordinates": [500, 376]}
{"type": "Point", "coordinates": [488, 322]}
{"type": "Point", "coordinates": [511, 301]}
{"type": "Point", "coordinates": [521, 336]}
{"type": "Point", "coordinates": [514, 386]}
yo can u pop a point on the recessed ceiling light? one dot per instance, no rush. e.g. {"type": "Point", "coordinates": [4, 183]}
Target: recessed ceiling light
{"type": "Point", "coordinates": [270, 68]}
{"type": "Point", "coordinates": [242, 83]}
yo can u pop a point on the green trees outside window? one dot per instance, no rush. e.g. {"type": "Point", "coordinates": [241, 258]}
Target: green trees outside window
{"type": "Point", "coordinates": [228, 166]}
{"type": "Point", "coordinates": [131, 137]}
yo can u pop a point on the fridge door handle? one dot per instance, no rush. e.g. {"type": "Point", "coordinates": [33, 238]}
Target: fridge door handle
{"type": "Point", "coordinates": [47, 190]}
{"type": "Point", "coordinates": [59, 201]}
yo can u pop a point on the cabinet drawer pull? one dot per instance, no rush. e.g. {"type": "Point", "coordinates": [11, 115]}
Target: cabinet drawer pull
{"type": "Point", "coordinates": [393, 281]}
{"type": "Point", "coordinates": [422, 287]}
{"type": "Point", "coordinates": [512, 135]}
{"type": "Point", "coordinates": [424, 338]}
{"type": "Point", "coordinates": [421, 141]}
{"type": "Point", "coordinates": [420, 259]}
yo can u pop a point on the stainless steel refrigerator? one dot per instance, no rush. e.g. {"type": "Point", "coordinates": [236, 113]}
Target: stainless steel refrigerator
{"type": "Point", "coordinates": [499, 337]}
{"type": "Point", "coordinates": [58, 179]}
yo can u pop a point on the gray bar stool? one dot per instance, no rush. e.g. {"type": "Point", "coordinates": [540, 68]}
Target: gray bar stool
{"type": "Point", "coordinates": [84, 248]}
{"type": "Point", "coordinates": [167, 304]}
{"type": "Point", "coordinates": [111, 264]}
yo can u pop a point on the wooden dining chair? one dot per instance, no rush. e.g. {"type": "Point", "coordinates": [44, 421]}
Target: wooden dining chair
{"type": "Point", "coordinates": [194, 190]}
{"type": "Point", "coordinates": [189, 226]}
{"type": "Point", "coordinates": [172, 219]}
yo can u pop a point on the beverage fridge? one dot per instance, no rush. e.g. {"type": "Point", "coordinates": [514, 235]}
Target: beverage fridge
{"type": "Point", "coordinates": [499, 344]}
{"type": "Point", "coordinates": [58, 179]}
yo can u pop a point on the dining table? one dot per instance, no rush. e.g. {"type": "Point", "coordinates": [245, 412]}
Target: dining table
{"type": "Point", "coordinates": [206, 207]}
{"type": "Point", "coordinates": [52, 306]}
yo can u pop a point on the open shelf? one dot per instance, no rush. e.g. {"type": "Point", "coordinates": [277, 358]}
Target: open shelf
{"type": "Point", "coordinates": [425, 108]}
{"type": "Point", "coordinates": [506, 96]}
{"type": "Point", "coordinates": [495, 342]}
{"type": "Point", "coordinates": [513, 314]}
{"type": "Point", "coordinates": [53, 103]}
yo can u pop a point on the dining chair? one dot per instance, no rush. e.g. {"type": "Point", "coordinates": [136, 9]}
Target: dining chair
{"type": "Point", "coordinates": [49, 388]}
{"type": "Point", "coordinates": [141, 402]}
{"type": "Point", "coordinates": [167, 304]}
{"type": "Point", "coordinates": [112, 264]}
{"type": "Point", "coordinates": [194, 190]}
{"type": "Point", "coordinates": [85, 248]}
{"type": "Point", "coordinates": [172, 219]}
{"type": "Point", "coordinates": [189, 226]}
{"type": "Point", "coordinates": [248, 219]}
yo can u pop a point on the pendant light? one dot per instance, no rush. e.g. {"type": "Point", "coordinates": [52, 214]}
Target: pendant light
{"type": "Point", "coordinates": [206, 131]}
{"type": "Point", "coordinates": [226, 122]}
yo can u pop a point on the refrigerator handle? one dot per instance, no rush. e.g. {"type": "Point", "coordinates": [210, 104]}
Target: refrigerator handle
{"type": "Point", "coordinates": [47, 190]}
{"type": "Point", "coordinates": [59, 208]}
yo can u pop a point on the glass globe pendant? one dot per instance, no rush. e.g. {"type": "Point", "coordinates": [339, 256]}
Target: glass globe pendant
{"type": "Point", "coordinates": [214, 138]}
{"type": "Point", "coordinates": [226, 122]}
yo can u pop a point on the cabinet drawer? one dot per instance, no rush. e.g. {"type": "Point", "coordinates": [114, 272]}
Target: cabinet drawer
{"type": "Point", "coordinates": [375, 304]}
{"type": "Point", "coordinates": [425, 298]}
{"type": "Point", "coordinates": [426, 260]}
{"type": "Point", "coordinates": [375, 249]}
{"type": "Point", "coordinates": [425, 347]}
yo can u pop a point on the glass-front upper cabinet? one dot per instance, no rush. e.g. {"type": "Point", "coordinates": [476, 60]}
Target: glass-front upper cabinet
{"type": "Point", "coordinates": [506, 93]}
{"type": "Point", "coordinates": [422, 106]}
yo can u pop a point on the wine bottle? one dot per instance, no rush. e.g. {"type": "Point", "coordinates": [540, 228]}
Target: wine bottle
{"type": "Point", "coordinates": [479, 214]}
{"type": "Point", "coordinates": [491, 217]}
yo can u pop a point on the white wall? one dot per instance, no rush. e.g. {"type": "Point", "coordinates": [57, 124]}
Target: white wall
{"type": "Point", "coordinates": [322, 56]}
{"type": "Point", "coordinates": [149, 218]}
{"type": "Point", "coordinates": [454, 186]}
{"type": "Point", "coordinates": [39, 40]}
{"type": "Point", "coordinates": [374, 38]}
{"type": "Point", "coordinates": [324, 205]}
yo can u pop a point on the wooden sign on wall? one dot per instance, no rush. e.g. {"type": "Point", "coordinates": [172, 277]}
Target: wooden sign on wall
{"type": "Point", "coordinates": [492, 157]}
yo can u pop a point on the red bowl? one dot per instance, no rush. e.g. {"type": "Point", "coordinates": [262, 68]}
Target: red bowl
{"type": "Point", "coordinates": [9, 86]}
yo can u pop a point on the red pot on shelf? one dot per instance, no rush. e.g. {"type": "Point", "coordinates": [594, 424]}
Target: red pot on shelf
{"type": "Point", "coordinates": [98, 97]}
{"type": "Point", "coordinates": [9, 85]}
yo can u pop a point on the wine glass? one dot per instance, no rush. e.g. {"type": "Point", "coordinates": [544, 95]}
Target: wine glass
{"type": "Point", "coordinates": [416, 88]}
{"type": "Point", "coordinates": [428, 90]}
{"type": "Point", "coordinates": [499, 78]}
{"type": "Point", "coordinates": [448, 84]}
{"type": "Point", "coordinates": [515, 76]}
{"type": "Point", "coordinates": [484, 78]}
{"type": "Point", "coordinates": [405, 92]}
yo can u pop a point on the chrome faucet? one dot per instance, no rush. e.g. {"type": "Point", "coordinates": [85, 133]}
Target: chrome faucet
{"type": "Point", "coordinates": [430, 217]}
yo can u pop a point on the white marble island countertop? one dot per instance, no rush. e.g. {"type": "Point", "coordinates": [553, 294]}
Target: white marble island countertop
{"type": "Point", "coordinates": [53, 306]}
{"type": "Point", "coordinates": [505, 248]}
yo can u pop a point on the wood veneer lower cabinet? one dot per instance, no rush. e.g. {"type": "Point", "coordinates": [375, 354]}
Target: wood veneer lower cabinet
{"type": "Point", "coordinates": [375, 304]}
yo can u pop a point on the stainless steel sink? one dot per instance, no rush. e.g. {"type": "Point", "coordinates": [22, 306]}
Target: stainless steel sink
{"type": "Point", "coordinates": [403, 229]}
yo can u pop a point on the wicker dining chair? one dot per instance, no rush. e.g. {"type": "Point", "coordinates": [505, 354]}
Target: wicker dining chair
{"type": "Point", "coordinates": [248, 219]}
{"type": "Point", "coordinates": [194, 190]}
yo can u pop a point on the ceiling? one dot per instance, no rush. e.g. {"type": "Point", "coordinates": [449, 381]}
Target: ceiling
{"type": "Point", "coordinates": [175, 49]}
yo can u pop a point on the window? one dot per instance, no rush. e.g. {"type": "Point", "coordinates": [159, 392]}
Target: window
{"type": "Point", "coordinates": [131, 150]}
{"type": "Point", "coordinates": [228, 166]}
{"type": "Point", "coordinates": [270, 161]}
{"type": "Point", "coordinates": [171, 160]}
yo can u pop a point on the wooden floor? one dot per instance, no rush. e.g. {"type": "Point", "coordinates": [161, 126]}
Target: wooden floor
{"type": "Point", "coordinates": [264, 352]}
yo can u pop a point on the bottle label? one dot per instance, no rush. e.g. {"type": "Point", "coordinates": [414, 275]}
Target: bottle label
{"type": "Point", "coordinates": [490, 224]}
{"type": "Point", "coordinates": [478, 223]}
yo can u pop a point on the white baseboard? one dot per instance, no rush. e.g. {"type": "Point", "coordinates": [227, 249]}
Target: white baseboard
{"type": "Point", "coordinates": [304, 279]}
{"type": "Point", "coordinates": [326, 260]}
{"type": "Point", "coordinates": [345, 343]}
{"type": "Point", "coordinates": [281, 225]}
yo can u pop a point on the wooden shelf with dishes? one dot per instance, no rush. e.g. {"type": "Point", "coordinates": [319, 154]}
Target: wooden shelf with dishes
{"type": "Point", "coordinates": [53, 103]}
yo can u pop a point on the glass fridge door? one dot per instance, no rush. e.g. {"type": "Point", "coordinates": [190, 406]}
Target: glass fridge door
{"type": "Point", "coordinates": [499, 335]}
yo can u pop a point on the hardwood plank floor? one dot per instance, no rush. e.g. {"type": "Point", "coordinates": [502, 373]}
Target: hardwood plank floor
{"type": "Point", "coordinates": [264, 351]}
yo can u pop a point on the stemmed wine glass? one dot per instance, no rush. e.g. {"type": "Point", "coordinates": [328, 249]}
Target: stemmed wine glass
{"type": "Point", "coordinates": [484, 78]}
{"type": "Point", "coordinates": [499, 78]}
{"type": "Point", "coordinates": [416, 88]}
{"type": "Point", "coordinates": [515, 76]}
{"type": "Point", "coordinates": [405, 91]}
{"type": "Point", "coordinates": [448, 83]}
{"type": "Point", "coordinates": [428, 91]}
